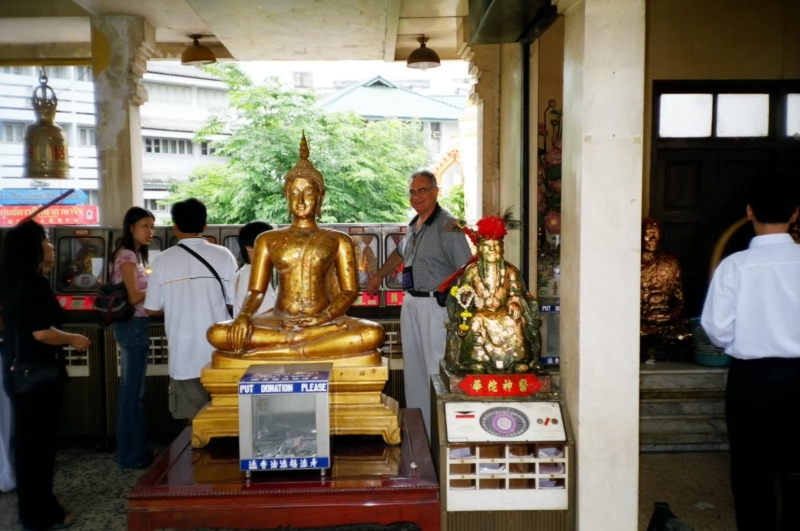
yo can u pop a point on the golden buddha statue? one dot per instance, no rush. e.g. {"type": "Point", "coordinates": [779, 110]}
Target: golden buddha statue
{"type": "Point", "coordinates": [661, 324]}
{"type": "Point", "coordinates": [317, 283]}
{"type": "Point", "coordinates": [493, 324]}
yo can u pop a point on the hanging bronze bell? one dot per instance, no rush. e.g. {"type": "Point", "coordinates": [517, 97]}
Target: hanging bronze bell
{"type": "Point", "coordinates": [46, 154]}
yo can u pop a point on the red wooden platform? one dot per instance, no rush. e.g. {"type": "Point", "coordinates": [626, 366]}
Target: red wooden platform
{"type": "Point", "coordinates": [370, 482]}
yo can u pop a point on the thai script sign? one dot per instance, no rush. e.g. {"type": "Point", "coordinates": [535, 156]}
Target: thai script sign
{"type": "Point", "coordinates": [54, 215]}
{"type": "Point", "coordinates": [40, 197]}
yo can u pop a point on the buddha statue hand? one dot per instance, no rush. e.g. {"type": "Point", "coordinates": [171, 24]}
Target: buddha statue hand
{"type": "Point", "coordinates": [240, 332]}
{"type": "Point", "coordinates": [321, 318]}
{"type": "Point", "coordinates": [515, 310]}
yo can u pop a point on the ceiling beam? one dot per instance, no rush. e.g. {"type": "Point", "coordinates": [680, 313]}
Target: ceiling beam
{"type": "Point", "coordinates": [392, 23]}
{"type": "Point", "coordinates": [65, 53]}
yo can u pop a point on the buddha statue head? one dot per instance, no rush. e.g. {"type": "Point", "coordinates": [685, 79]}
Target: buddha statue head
{"type": "Point", "coordinates": [651, 235]}
{"type": "Point", "coordinates": [304, 187]}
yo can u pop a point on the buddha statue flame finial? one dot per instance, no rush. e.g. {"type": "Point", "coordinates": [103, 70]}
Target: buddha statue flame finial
{"type": "Point", "coordinates": [305, 169]}
{"type": "Point", "coordinates": [304, 147]}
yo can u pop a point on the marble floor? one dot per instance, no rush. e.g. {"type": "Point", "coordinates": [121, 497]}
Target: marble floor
{"type": "Point", "coordinates": [695, 485]}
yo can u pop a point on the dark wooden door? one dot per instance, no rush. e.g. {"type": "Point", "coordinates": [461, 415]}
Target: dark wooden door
{"type": "Point", "coordinates": [699, 193]}
{"type": "Point", "coordinates": [701, 175]}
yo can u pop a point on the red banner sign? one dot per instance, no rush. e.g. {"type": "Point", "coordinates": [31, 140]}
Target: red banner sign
{"type": "Point", "coordinates": [500, 385]}
{"type": "Point", "coordinates": [55, 215]}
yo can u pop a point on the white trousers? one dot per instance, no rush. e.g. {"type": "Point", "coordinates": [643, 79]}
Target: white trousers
{"type": "Point", "coordinates": [422, 330]}
{"type": "Point", "coordinates": [7, 481]}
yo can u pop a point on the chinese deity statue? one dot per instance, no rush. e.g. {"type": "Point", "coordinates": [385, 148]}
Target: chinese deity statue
{"type": "Point", "coordinates": [493, 322]}
{"type": "Point", "coordinates": [663, 331]}
{"type": "Point", "coordinates": [318, 282]}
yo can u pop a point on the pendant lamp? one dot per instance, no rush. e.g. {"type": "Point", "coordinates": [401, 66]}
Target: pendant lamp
{"type": "Point", "coordinates": [196, 54]}
{"type": "Point", "coordinates": [423, 57]}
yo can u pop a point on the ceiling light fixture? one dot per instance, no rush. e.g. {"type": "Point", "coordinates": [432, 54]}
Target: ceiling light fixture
{"type": "Point", "coordinates": [197, 54]}
{"type": "Point", "coordinates": [423, 57]}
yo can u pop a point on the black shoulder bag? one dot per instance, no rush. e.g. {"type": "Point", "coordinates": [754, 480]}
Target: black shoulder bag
{"type": "Point", "coordinates": [27, 377]}
{"type": "Point", "coordinates": [213, 272]}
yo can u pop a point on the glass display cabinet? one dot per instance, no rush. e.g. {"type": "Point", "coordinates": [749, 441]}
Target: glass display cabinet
{"type": "Point", "coordinates": [284, 421]}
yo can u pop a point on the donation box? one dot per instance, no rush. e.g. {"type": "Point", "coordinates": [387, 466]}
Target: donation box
{"type": "Point", "coordinates": [284, 420]}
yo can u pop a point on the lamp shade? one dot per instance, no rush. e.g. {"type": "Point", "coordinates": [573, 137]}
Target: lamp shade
{"type": "Point", "coordinates": [423, 57]}
{"type": "Point", "coordinates": [196, 54]}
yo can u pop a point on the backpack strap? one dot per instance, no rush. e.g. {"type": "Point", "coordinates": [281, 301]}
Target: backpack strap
{"type": "Point", "coordinates": [213, 272]}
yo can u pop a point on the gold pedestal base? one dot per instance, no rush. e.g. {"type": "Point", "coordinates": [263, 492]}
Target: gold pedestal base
{"type": "Point", "coordinates": [357, 404]}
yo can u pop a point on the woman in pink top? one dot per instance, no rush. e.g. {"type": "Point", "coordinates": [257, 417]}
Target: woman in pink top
{"type": "Point", "coordinates": [128, 265]}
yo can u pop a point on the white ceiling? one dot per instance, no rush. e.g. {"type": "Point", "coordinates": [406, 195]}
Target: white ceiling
{"type": "Point", "coordinates": [256, 29]}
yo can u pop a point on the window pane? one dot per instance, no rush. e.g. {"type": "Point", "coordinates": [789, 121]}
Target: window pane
{"type": "Point", "coordinates": [793, 115]}
{"type": "Point", "coordinates": [685, 115]}
{"type": "Point", "coordinates": [742, 115]}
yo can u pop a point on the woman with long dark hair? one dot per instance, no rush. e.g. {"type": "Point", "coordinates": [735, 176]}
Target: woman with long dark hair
{"type": "Point", "coordinates": [31, 316]}
{"type": "Point", "coordinates": [128, 264]}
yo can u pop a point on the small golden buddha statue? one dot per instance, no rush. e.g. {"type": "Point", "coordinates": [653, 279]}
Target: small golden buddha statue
{"type": "Point", "coordinates": [493, 324]}
{"type": "Point", "coordinates": [661, 321]}
{"type": "Point", "coordinates": [317, 284]}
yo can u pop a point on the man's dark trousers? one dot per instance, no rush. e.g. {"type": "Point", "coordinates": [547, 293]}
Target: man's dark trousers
{"type": "Point", "coordinates": [762, 409]}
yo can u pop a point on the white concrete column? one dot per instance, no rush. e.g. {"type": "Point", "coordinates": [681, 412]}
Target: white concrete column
{"type": "Point", "coordinates": [510, 144]}
{"type": "Point", "coordinates": [485, 66]}
{"type": "Point", "coordinates": [601, 213]}
{"type": "Point", "coordinates": [121, 46]}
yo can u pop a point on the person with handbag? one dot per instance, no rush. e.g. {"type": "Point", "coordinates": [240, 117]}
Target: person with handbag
{"type": "Point", "coordinates": [128, 263]}
{"type": "Point", "coordinates": [33, 340]}
{"type": "Point", "coordinates": [190, 285]}
{"type": "Point", "coordinates": [7, 480]}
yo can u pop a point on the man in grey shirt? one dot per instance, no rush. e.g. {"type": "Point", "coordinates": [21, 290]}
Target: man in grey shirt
{"type": "Point", "coordinates": [431, 250]}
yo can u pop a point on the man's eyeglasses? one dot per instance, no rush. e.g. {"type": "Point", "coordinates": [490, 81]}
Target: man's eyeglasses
{"type": "Point", "coordinates": [419, 191]}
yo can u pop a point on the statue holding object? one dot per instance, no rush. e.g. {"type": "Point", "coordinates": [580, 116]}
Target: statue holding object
{"type": "Point", "coordinates": [493, 322]}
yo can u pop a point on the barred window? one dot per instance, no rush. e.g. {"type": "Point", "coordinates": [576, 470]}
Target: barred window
{"type": "Point", "coordinates": [169, 93]}
{"type": "Point", "coordinates": [208, 148]}
{"type": "Point", "coordinates": [12, 132]}
{"type": "Point", "coordinates": [167, 146]}
{"type": "Point", "coordinates": [86, 136]}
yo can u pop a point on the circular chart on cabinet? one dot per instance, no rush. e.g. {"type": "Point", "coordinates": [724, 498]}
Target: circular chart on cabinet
{"type": "Point", "coordinates": [504, 422]}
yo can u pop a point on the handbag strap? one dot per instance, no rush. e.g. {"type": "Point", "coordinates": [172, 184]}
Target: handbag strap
{"type": "Point", "coordinates": [16, 332]}
{"type": "Point", "coordinates": [213, 271]}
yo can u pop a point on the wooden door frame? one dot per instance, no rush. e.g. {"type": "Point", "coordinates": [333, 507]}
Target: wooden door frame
{"type": "Point", "coordinates": [776, 137]}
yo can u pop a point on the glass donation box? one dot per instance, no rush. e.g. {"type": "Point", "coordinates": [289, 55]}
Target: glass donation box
{"type": "Point", "coordinates": [284, 420]}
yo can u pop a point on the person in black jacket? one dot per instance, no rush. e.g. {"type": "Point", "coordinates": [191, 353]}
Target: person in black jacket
{"type": "Point", "coordinates": [32, 315]}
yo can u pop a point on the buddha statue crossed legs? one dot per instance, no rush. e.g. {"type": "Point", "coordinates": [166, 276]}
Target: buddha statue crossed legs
{"type": "Point", "coordinates": [317, 283]}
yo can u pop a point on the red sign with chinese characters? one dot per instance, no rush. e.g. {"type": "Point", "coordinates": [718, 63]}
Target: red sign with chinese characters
{"type": "Point", "coordinates": [55, 215]}
{"type": "Point", "coordinates": [500, 384]}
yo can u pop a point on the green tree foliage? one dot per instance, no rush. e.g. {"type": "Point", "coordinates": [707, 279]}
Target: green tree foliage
{"type": "Point", "coordinates": [454, 201]}
{"type": "Point", "coordinates": [365, 164]}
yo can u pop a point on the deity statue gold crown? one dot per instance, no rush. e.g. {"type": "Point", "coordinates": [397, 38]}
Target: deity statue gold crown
{"type": "Point", "coordinates": [304, 169]}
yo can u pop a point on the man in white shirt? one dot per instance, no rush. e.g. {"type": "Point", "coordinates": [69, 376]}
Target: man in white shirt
{"type": "Point", "coordinates": [191, 299]}
{"type": "Point", "coordinates": [753, 311]}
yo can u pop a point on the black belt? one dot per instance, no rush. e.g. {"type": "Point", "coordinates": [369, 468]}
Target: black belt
{"type": "Point", "coordinates": [414, 293]}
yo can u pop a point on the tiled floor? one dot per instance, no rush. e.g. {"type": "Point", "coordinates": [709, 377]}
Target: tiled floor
{"type": "Point", "coordinates": [695, 485]}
